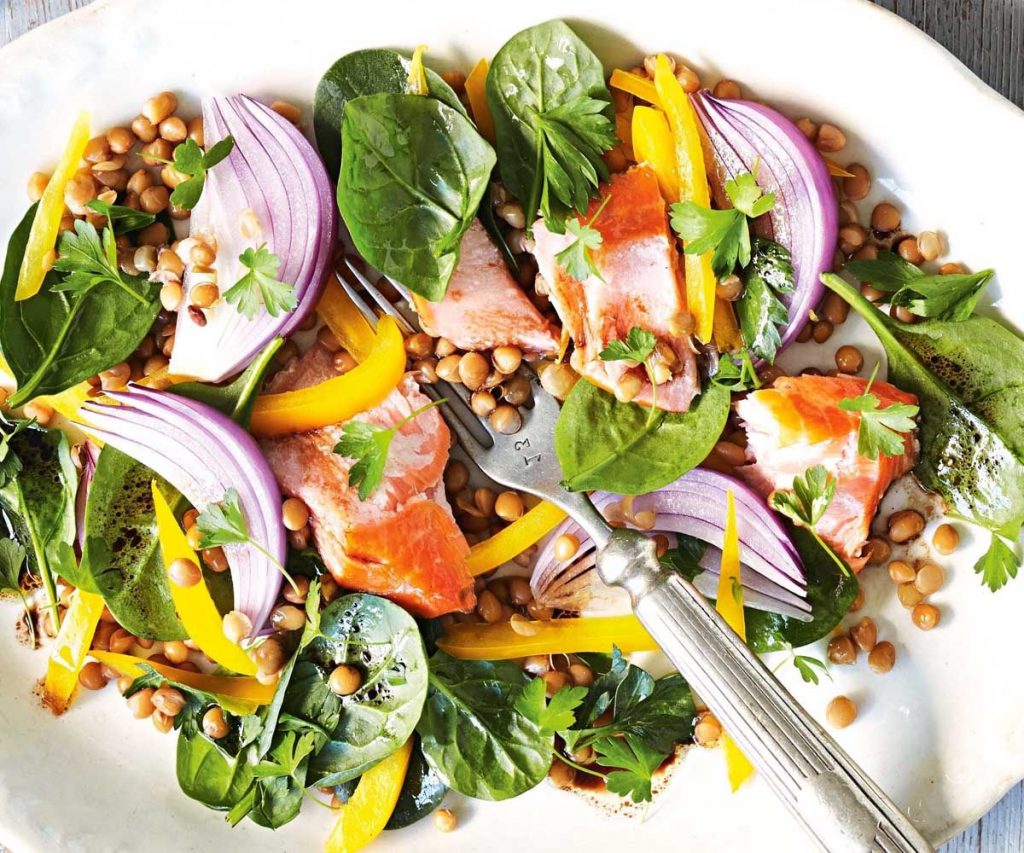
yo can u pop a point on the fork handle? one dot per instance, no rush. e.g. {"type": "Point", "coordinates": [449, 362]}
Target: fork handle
{"type": "Point", "coordinates": [837, 803]}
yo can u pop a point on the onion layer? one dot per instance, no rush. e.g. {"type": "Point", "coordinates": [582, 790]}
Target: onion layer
{"type": "Point", "coordinates": [805, 219]}
{"type": "Point", "coordinates": [203, 453]}
{"type": "Point", "coordinates": [271, 189]}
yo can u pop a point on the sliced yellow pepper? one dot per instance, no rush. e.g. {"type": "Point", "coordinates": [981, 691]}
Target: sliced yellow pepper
{"type": "Point", "coordinates": [417, 83]}
{"type": "Point", "coordinates": [693, 186]}
{"type": "Point", "coordinates": [46, 224]}
{"type": "Point", "coordinates": [368, 810]}
{"type": "Point", "coordinates": [337, 399]}
{"type": "Point", "coordinates": [653, 145]}
{"type": "Point", "coordinates": [640, 87]}
{"type": "Point", "coordinates": [477, 95]}
{"type": "Point", "coordinates": [529, 528]}
{"type": "Point", "coordinates": [342, 317]}
{"type": "Point", "coordinates": [499, 641]}
{"type": "Point", "coordinates": [726, 333]}
{"type": "Point", "coordinates": [194, 604]}
{"type": "Point", "coordinates": [730, 605]}
{"type": "Point", "coordinates": [69, 650]}
{"type": "Point", "coordinates": [238, 694]}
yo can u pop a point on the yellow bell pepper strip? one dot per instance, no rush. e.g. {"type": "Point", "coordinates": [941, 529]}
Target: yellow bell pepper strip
{"type": "Point", "coordinates": [499, 641]}
{"type": "Point", "coordinates": [478, 105]}
{"type": "Point", "coordinates": [529, 528]}
{"type": "Point", "coordinates": [337, 399]}
{"type": "Point", "coordinates": [238, 694]}
{"type": "Point", "coordinates": [693, 186]}
{"type": "Point", "coordinates": [835, 170]}
{"type": "Point", "coordinates": [726, 333]}
{"type": "Point", "coordinates": [730, 605]}
{"type": "Point", "coordinates": [46, 224]}
{"type": "Point", "coordinates": [653, 145]}
{"type": "Point", "coordinates": [640, 87]}
{"type": "Point", "coordinates": [368, 810]}
{"type": "Point", "coordinates": [417, 83]}
{"type": "Point", "coordinates": [194, 604]}
{"type": "Point", "coordinates": [342, 317]}
{"type": "Point", "coordinates": [69, 650]}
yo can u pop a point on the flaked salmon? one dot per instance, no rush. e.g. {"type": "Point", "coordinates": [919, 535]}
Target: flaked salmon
{"type": "Point", "coordinates": [639, 286]}
{"type": "Point", "coordinates": [484, 307]}
{"type": "Point", "coordinates": [402, 542]}
{"type": "Point", "coordinates": [797, 423]}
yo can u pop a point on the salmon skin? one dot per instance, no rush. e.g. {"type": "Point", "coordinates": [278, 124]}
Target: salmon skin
{"type": "Point", "coordinates": [639, 264]}
{"type": "Point", "coordinates": [797, 424]}
{"type": "Point", "coordinates": [484, 307]}
{"type": "Point", "coordinates": [402, 541]}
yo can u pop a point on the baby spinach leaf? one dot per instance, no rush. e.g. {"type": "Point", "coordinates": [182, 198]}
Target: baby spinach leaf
{"type": "Point", "coordinates": [473, 735]}
{"type": "Point", "coordinates": [210, 772]}
{"type": "Point", "coordinates": [967, 377]}
{"type": "Point", "coordinates": [413, 172]}
{"type": "Point", "coordinates": [57, 339]}
{"type": "Point", "coordinates": [759, 310]}
{"type": "Point", "coordinates": [122, 552]}
{"type": "Point", "coordinates": [619, 447]}
{"type": "Point", "coordinates": [382, 640]}
{"type": "Point", "coordinates": [364, 72]}
{"type": "Point", "coordinates": [552, 119]}
{"type": "Point", "coordinates": [422, 791]}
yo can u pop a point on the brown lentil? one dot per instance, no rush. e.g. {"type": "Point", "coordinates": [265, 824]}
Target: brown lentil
{"type": "Point", "coordinates": [901, 571]}
{"type": "Point", "coordinates": [168, 700]}
{"type": "Point", "coordinates": [536, 664]}
{"type": "Point", "coordinates": [885, 217]}
{"type": "Point", "coordinates": [840, 712]}
{"type": "Point", "coordinates": [294, 513]}
{"type": "Point", "coordinates": [482, 403]}
{"type": "Point", "coordinates": [176, 651]}
{"type": "Point", "coordinates": [473, 370]}
{"type": "Point", "coordinates": [882, 657]}
{"type": "Point", "coordinates": [929, 580]}
{"type": "Point", "coordinates": [506, 419]}
{"type": "Point", "coordinates": [909, 595]}
{"type": "Point", "coordinates": [566, 546]}
{"type": "Point", "coordinates": [507, 359]}
{"type": "Point", "coordinates": [184, 572]}
{"type": "Point", "coordinates": [204, 295]}
{"type": "Point", "coordinates": [830, 139]}
{"type": "Point", "coordinates": [561, 774]}
{"type": "Point", "coordinates": [558, 380]}
{"type": "Point", "coordinates": [708, 731]}
{"type": "Point", "coordinates": [727, 89]}
{"type": "Point", "coordinates": [488, 607]}
{"type": "Point", "coordinates": [925, 616]}
{"type": "Point", "coordinates": [729, 288]}
{"type": "Point", "coordinates": [509, 506]}
{"type": "Point", "coordinates": [156, 234]}
{"type": "Point", "coordinates": [852, 237]}
{"type": "Point", "coordinates": [946, 539]}
{"type": "Point", "coordinates": [858, 185]}
{"type": "Point", "coordinates": [858, 601]}
{"type": "Point", "coordinates": [121, 641]}
{"type": "Point", "coordinates": [519, 592]}
{"type": "Point", "coordinates": [808, 128]}
{"type": "Point", "coordinates": [297, 596]}
{"type": "Point", "coordinates": [159, 107]}
{"type": "Point", "coordinates": [951, 269]}
{"type": "Point", "coordinates": [865, 634]}
{"type": "Point", "coordinates": [286, 110]}
{"type": "Point", "coordinates": [581, 674]}
{"type": "Point", "coordinates": [287, 617]}
{"type": "Point", "coordinates": [345, 680]}
{"type": "Point", "coordinates": [554, 681]}
{"type": "Point", "coordinates": [688, 78]}
{"type": "Point", "coordinates": [419, 345]}
{"type": "Point", "coordinates": [237, 626]}
{"type": "Point", "coordinates": [91, 676]}
{"type": "Point", "coordinates": [822, 331]}
{"type": "Point", "coordinates": [214, 724]}
{"type": "Point", "coordinates": [155, 152]}
{"type": "Point", "coordinates": [905, 525]}
{"type": "Point", "coordinates": [141, 703]}
{"type": "Point", "coordinates": [445, 820]}
{"type": "Point", "coordinates": [841, 650]}
{"type": "Point", "coordinates": [849, 359]}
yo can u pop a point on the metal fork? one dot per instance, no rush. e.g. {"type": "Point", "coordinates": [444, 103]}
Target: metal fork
{"type": "Point", "coordinates": [837, 803]}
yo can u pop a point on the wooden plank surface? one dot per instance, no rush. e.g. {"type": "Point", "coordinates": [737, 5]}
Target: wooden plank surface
{"type": "Point", "coordinates": [988, 37]}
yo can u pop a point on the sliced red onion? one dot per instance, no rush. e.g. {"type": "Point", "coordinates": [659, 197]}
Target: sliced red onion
{"type": "Point", "coordinates": [693, 505]}
{"type": "Point", "coordinates": [805, 219]}
{"type": "Point", "coordinates": [274, 188]}
{"type": "Point", "coordinates": [203, 453]}
{"type": "Point", "coordinates": [89, 453]}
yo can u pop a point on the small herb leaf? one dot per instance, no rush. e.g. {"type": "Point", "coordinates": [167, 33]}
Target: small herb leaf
{"type": "Point", "coordinates": [638, 346]}
{"type": "Point", "coordinates": [190, 160]}
{"type": "Point", "coordinates": [260, 285]}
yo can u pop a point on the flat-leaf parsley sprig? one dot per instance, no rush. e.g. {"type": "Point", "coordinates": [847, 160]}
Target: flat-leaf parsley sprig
{"type": "Point", "coordinates": [881, 431]}
{"type": "Point", "coordinates": [807, 502]}
{"type": "Point", "coordinates": [638, 347]}
{"type": "Point", "coordinates": [577, 258]}
{"type": "Point", "coordinates": [259, 285]}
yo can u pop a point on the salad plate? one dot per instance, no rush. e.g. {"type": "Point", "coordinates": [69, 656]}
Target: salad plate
{"type": "Point", "coordinates": [942, 733]}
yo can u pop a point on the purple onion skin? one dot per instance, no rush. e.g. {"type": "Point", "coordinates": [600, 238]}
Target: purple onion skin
{"type": "Point", "coordinates": [805, 219]}
{"type": "Point", "coordinates": [90, 453]}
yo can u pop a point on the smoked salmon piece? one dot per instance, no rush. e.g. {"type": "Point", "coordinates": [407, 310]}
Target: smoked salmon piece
{"type": "Point", "coordinates": [797, 424]}
{"type": "Point", "coordinates": [402, 541]}
{"type": "Point", "coordinates": [641, 286]}
{"type": "Point", "coordinates": [484, 306]}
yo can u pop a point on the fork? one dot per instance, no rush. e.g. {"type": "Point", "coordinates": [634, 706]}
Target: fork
{"type": "Point", "coordinates": [834, 800]}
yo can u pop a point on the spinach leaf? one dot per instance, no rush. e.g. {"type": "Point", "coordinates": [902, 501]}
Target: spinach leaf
{"type": "Point", "coordinates": [413, 172]}
{"type": "Point", "coordinates": [472, 734]}
{"type": "Point", "coordinates": [208, 771]}
{"type": "Point", "coordinates": [552, 119]}
{"type": "Point", "coordinates": [37, 494]}
{"type": "Point", "coordinates": [237, 398]}
{"type": "Point", "coordinates": [123, 219]}
{"type": "Point", "coordinates": [422, 791]}
{"type": "Point", "coordinates": [619, 447]}
{"type": "Point", "coordinates": [364, 72]}
{"type": "Point", "coordinates": [57, 339]}
{"type": "Point", "coordinates": [122, 552]}
{"type": "Point", "coordinates": [382, 640]}
{"type": "Point", "coordinates": [967, 376]}
{"type": "Point", "coordinates": [759, 310]}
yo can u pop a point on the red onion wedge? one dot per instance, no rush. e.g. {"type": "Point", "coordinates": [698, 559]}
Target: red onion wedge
{"type": "Point", "coordinates": [694, 505]}
{"type": "Point", "coordinates": [805, 218]}
{"type": "Point", "coordinates": [89, 453]}
{"type": "Point", "coordinates": [272, 189]}
{"type": "Point", "coordinates": [203, 453]}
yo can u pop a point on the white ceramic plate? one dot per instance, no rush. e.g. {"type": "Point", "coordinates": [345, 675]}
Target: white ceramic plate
{"type": "Point", "coordinates": [943, 733]}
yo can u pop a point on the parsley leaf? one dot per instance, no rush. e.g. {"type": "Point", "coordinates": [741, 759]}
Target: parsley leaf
{"type": "Point", "coordinates": [259, 285]}
{"type": "Point", "coordinates": [638, 346]}
{"type": "Point", "coordinates": [937, 297]}
{"type": "Point", "coordinates": [577, 258]}
{"type": "Point", "coordinates": [636, 763]}
{"type": "Point", "coordinates": [1000, 562]}
{"type": "Point", "coordinates": [725, 232]}
{"type": "Point", "coordinates": [573, 138]}
{"type": "Point", "coordinates": [759, 310]}
{"type": "Point", "coordinates": [735, 376]}
{"type": "Point", "coordinates": [89, 259]}
{"type": "Point", "coordinates": [10, 464]}
{"type": "Point", "coordinates": [368, 444]}
{"type": "Point", "coordinates": [189, 159]}
{"type": "Point", "coordinates": [880, 430]}
{"type": "Point", "coordinates": [807, 502]}
{"type": "Point", "coordinates": [12, 558]}
{"type": "Point", "coordinates": [122, 219]}
{"type": "Point", "coordinates": [288, 758]}
{"type": "Point", "coordinates": [685, 558]}
{"type": "Point", "coordinates": [549, 716]}
{"type": "Point", "coordinates": [806, 666]}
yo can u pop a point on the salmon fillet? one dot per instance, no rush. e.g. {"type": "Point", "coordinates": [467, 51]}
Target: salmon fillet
{"type": "Point", "coordinates": [640, 267]}
{"type": "Point", "coordinates": [796, 424]}
{"type": "Point", "coordinates": [484, 307]}
{"type": "Point", "coordinates": [402, 542]}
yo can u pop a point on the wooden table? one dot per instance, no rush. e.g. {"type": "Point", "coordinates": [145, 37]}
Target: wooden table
{"type": "Point", "coordinates": [988, 36]}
